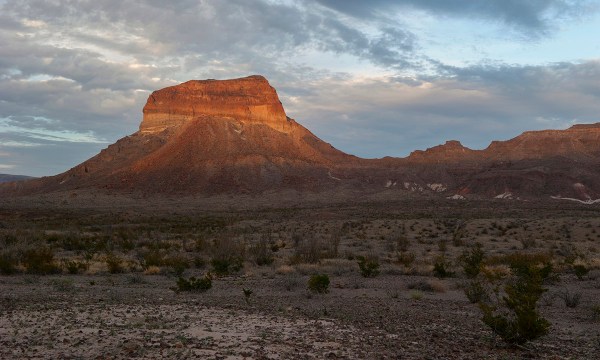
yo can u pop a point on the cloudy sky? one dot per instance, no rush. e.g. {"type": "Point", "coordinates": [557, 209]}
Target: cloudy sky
{"type": "Point", "coordinates": [374, 78]}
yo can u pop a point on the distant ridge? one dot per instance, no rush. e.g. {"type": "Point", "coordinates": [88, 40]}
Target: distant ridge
{"type": "Point", "coordinates": [8, 178]}
{"type": "Point", "coordinates": [233, 136]}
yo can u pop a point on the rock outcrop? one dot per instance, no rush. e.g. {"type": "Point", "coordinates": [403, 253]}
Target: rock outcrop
{"type": "Point", "coordinates": [249, 99]}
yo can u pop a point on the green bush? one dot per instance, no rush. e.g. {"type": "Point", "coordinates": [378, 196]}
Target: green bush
{"type": "Point", "coordinates": [514, 315]}
{"type": "Point", "coordinates": [40, 261]}
{"type": "Point", "coordinates": [262, 252]}
{"type": "Point", "coordinates": [369, 267]}
{"type": "Point", "coordinates": [319, 283]}
{"type": "Point", "coordinates": [406, 258]}
{"type": "Point", "coordinates": [194, 284]}
{"type": "Point", "coordinates": [224, 266]}
{"type": "Point", "coordinates": [580, 271]}
{"type": "Point", "coordinates": [74, 266]}
{"type": "Point", "coordinates": [472, 261]}
{"type": "Point", "coordinates": [476, 292]}
{"type": "Point", "coordinates": [440, 268]}
{"type": "Point", "coordinates": [227, 255]}
{"type": "Point", "coordinates": [114, 263]}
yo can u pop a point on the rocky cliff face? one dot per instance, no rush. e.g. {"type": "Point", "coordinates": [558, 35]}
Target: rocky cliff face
{"type": "Point", "coordinates": [578, 142]}
{"type": "Point", "coordinates": [249, 99]}
{"type": "Point", "coordinates": [233, 136]}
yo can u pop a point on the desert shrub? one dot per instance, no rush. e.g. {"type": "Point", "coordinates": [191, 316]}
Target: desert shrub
{"type": "Point", "coordinates": [571, 300]}
{"type": "Point", "coordinates": [74, 266]}
{"type": "Point", "coordinates": [178, 263]}
{"type": "Point", "coordinates": [227, 256]}
{"type": "Point", "coordinates": [152, 258]}
{"type": "Point", "coordinates": [319, 283]}
{"type": "Point", "coordinates": [441, 268]}
{"type": "Point", "coordinates": [114, 263]}
{"type": "Point", "coordinates": [476, 292]}
{"type": "Point", "coordinates": [369, 266]}
{"type": "Point", "coordinates": [472, 260]}
{"type": "Point", "coordinates": [8, 263]}
{"type": "Point", "coordinates": [40, 261]}
{"type": "Point", "coordinates": [194, 284]}
{"type": "Point", "coordinates": [225, 266]}
{"type": "Point", "coordinates": [306, 251]}
{"type": "Point", "coordinates": [416, 295]}
{"type": "Point", "coordinates": [580, 271]}
{"type": "Point", "coordinates": [247, 294]}
{"type": "Point", "coordinates": [262, 252]}
{"type": "Point", "coordinates": [512, 312]}
{"type": "Point", "coordinates": [406, 258]}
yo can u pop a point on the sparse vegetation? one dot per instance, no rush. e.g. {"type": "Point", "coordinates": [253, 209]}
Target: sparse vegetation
{"type": "Point", "coordinates": [194, 284]}
{"type": "Point", "coordinates": [40, 261]}
{"type": "Point", "coordinates": [441, 268]}
{"type": "Point", "coordinates": [369, 266]}
{"type": "Point", "coordinates": [472, 260]}
{"type": "Point", "coordinates": [580, 271]}
{"type": "Point", "coordinates": [319, 283]}
{"type": "Point", "coordinates": [571, 300]}
{"type": "Point", "coordinates": [511, 311]}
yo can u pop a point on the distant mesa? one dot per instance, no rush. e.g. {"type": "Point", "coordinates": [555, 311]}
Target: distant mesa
{"type": "Point", "coordinates": [233, 136]}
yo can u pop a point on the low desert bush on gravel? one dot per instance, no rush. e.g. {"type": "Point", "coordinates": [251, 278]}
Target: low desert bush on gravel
{"type": "Point", "coordinates": [441, 268]}
{"type": "Point", "coordinates": [571, 299]}
{"type": "Point", "coordinates": [580, 271]}
{"type": "Point", "coordinates": [472, 260]}
{"type": "Point", "coordinates": [194, 284]}
{"type": "Point", "coordinates": [510, 308]}
{"type": "Point", "coordinates": [114, 263]}
{"type": "Point", "coordinates": [40, 261]}
{"type": "Point", "coordinates": [319, 283]}
{"type": "Point", "coordinates": [369, 266]}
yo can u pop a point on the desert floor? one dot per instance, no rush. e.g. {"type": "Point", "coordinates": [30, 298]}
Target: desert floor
{"type": "Point", "coordinates": [106, 287]}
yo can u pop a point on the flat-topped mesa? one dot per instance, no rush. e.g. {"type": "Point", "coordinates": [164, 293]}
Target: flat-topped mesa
{"type": "Point", "coordinates": [582, 140]}
{"type": "Point", "coordinates": [249, 99]}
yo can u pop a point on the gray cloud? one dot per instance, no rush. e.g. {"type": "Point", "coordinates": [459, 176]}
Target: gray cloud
{"type": "Point", "coordinates": [476, 105]}
{"type": "Point", "coordinates": [534, 17]}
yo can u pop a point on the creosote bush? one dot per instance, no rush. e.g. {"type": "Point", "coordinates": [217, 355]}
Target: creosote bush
{"type": "Point", "coordinates": [580, 271]}
{"type": "Point", "coordinates": [262, 252]}
{"type": "Point", "coordinates": [472, 260]}
{"type": "Point", "coordinates": [74, 266]}
{"type": "Point", "coordinates": [476, 292]}
{"type": "Point", "coordinates": [511, 309]}
{"type": "Point", "coordinates": [194, 284]}
{"type": "Point", "coordinates": [441, 268]}
{"type": "Point", "coordinates": [114, 263]}
{"type": "Point", "coordinates": [227, 255]}
{"type": "Point", "coordinates": [40, 261]}
{"type": "Point", "coordinates": [571, 299]}
{"type": "Point", "coordinates": [319, 283]}
{"type": "Point", "coordinates": [369, 266]}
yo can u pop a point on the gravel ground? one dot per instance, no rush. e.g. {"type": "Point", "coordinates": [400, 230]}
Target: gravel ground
{"type": "Point", "coordinates": [137, 316]}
